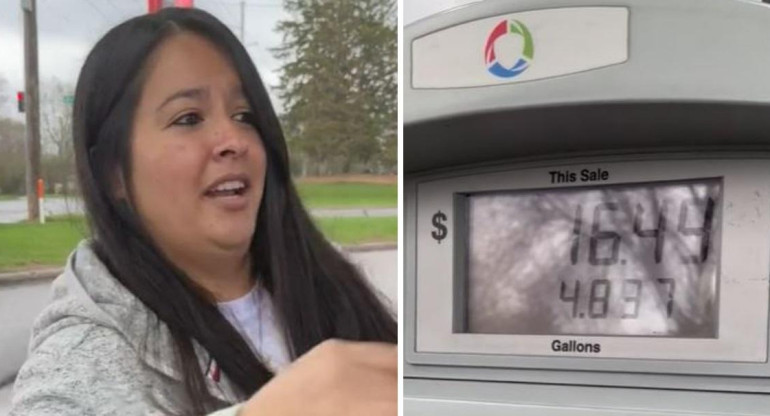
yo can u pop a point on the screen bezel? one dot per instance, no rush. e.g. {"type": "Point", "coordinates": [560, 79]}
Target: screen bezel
{"type": "Point", "coordinates": [435, 340]}
{"type": "Point", "coordinates": [462, 241]}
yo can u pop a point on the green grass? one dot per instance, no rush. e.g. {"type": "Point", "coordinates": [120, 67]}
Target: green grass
{"type": "Point", "coordinates": [327, 195]}
{"type": "Point", "coordinates": [348, 195]}
{"type": "Point", "coordinates": [26, 245]}
{"type": "Point", "coordinates": [359, 230]}
{"type": "Point", "coordinates": [6, 197]}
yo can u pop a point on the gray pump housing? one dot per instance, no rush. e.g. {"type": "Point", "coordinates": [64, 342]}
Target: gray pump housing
{"type": "Point", "coordinates": [695, 83]}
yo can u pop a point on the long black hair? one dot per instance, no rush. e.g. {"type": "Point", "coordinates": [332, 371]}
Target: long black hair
{"type": "Point", "coordinates": [317, 293]}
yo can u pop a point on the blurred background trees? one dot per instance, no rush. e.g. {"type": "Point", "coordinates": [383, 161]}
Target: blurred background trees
{"type": "Point", "coordinates": [58, 156]}
{"type": "Point", "coordinates": [339, 85]}
{"type": "Point", "coordinates": [337, 98]}
{"type": "Point", "coordinates": [58, 160]}
{"type": "Point", "coordinates": [11, 147]}
{"type": "Point", "coordinates": [12, 156]}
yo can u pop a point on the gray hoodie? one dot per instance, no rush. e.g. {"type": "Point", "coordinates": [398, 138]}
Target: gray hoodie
{"type": "Point", "coordinates": [97, 350]}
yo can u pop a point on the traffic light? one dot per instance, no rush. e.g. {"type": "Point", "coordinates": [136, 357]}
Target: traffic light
{"type": "Point", "coordinates": [20, 100]}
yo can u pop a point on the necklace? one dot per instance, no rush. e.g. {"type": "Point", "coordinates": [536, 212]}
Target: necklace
{"type": "Point", "coordinates": [259, 322]}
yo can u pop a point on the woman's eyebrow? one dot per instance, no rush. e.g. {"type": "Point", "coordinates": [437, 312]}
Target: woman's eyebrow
{"type": "Point", "coordinates": [236, 92]}
{"type": "Point", "coordinates": [192, 93]}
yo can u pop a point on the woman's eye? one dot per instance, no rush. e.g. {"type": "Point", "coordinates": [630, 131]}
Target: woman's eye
{"type": "Point", "coordinates": [245, 117]}
{"type": "Point", "coordinates": [189, 119]}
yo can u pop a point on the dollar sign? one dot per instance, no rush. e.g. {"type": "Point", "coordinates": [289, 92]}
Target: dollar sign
{"type": "Point", "coordinates": [440, 232]}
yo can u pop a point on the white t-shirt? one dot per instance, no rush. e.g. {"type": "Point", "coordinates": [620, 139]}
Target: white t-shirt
{"type": "Point", "coordinates": [253, 316]}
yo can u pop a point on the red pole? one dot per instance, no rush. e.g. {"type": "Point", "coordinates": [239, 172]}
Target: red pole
{"type": "Point", "coordinates": [155, 5]}
{"type": "Point", "coordinates": [41, 200]}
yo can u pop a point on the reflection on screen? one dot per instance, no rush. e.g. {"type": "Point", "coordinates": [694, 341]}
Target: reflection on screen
{"type": "Point", "coordinates": [639, 260]}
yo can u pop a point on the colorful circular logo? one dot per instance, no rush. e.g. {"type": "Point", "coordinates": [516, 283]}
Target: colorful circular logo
{"type": "Point", "coordinates": [521, 61]}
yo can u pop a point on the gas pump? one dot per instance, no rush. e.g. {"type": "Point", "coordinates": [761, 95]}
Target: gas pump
{"type": "Point", "coordinates": [587, 209]}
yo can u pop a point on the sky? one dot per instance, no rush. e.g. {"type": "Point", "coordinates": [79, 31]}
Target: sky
{"type": "Point", "coordinates": [68, 29]}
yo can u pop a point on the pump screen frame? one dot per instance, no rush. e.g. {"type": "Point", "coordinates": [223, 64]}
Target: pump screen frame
{"type": "Point", "coordinates": [738, 346]}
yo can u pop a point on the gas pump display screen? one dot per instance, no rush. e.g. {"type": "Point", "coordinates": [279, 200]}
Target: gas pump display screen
{"type": "Point", "coordinates": [626, 260]}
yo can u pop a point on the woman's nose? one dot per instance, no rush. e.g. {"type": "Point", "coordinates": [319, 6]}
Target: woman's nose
{"type": "Point", "coordinates": [230, 140]}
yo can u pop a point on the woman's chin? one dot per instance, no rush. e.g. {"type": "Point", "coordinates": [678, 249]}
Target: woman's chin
{"type": "Point", "coordinates": [233, 238]}
{"type": "Point", "coordinates": [230, 229]}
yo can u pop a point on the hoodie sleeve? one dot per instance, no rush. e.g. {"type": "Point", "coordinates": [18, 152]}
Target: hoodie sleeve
{"type": "Point", "coordinates": [84, 369]}
{"type": "Point", "coordinates": [87, 369]}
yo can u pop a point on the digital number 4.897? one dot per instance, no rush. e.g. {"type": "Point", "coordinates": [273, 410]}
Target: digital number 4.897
{"type": "Point", "coordinates": [600, 296]}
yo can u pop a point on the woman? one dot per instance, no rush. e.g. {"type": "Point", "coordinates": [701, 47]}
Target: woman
{"type": "Point", "coordinates": [204, 277]}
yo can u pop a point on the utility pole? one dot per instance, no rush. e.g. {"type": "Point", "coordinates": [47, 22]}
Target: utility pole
{"type": "Point", "coordinates": [32, 96]}
{"type": "Point", "coordinates": [243, 6]}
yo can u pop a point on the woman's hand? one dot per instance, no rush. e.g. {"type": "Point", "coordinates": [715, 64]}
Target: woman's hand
{"type": "Point", "coordinates": [336, 378]}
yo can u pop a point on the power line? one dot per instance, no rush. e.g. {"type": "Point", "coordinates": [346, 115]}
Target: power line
{"type": "Point", "coordinates": [61, 15]}
{"type": "Point", "coordinates": [114, 7]}
{"type": "Point", "coordinates": [225, 9]}
{"type": "Point", "coordinates": [98, 10]}
{"type": "Point", "coordinates": [252, 4]}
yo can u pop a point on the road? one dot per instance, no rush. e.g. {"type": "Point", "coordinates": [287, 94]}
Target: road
{"type": "Point", "coordinates": [15, 210]}
{"type": "Point", "coordinates": [381, 269]}
{"type": "Point", "coordinates": [20, 304]}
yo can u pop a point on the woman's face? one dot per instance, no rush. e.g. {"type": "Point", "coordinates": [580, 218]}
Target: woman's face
{"type": "Point", "coordinates": [198, 164]}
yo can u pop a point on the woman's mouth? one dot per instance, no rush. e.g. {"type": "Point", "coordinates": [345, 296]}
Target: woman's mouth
{"type": "Point", "coordinates": [230, 192]}
{"type": "Point", "coordinates": [228, 188]}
